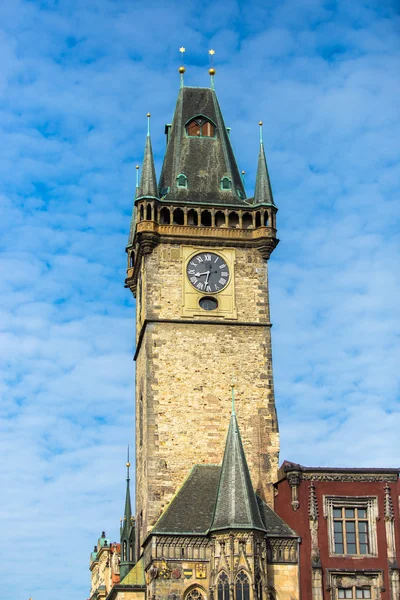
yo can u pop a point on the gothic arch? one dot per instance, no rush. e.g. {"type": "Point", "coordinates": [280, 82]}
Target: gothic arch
{"type": "Point", "coordinates": [195, 592]}
{"type": "Point", "coordinates": [222, 586]}
{"type": "Point", "coordinates": [242, 585]}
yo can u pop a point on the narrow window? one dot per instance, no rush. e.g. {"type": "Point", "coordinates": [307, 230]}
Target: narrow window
{"type": "Point", "coordinates": [226, 183]}
{"type": "Point", "coordinates": [148, 212]}
{"type": "Point", "coordinates": [258, 219]}
{"type": "Point", "coordinates": [182, 181]}
{"type": "Point", "coordinates": [124, 551]}
{"type": "Point", "coordinates": [223, 586]}
{"type": "Point", "coordinates": [242, 586]}
{"type": "Point", "coordinates": [141, 213]}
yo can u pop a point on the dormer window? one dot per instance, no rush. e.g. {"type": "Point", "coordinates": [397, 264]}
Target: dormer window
{"type": "Point", "coordinates": [226, 183]}
{"type": "Point", "coordinates": [200, 127]}
{"type": "Point", "coordinates": [181, 181]}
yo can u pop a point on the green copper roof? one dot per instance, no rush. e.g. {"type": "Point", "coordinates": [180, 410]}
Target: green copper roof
{"type": "Point", "coordinates": [236, 506]}
{"type": "Point", "coordinates": [135, 575]}
{"type": "Point", "coordinates": [203, 160]}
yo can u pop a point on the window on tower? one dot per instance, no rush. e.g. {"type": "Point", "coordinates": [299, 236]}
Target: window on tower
{"type": "Point", "coordinates": [182, 180]}
{"type": "Point", "coordinates": [200, 127]}
{"type": "Point", "coordinates": [242, 586]}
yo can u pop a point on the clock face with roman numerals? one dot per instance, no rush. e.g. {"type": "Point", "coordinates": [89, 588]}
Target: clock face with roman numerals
{"type": "Point", "coordinates": [208, 272]}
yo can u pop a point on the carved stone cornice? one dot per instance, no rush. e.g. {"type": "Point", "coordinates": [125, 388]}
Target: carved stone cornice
{"type": "Point", "coordinates": [349, 477]}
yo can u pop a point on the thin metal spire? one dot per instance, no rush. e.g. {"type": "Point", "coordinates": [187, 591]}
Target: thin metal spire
{"type": "Point", "coordinates": [261, 132]}
{"type": "Point", "coordinates": [182, 69]}
{"type": "Point", "coordinates": [148, 124]}
{"type": "Point", "coordinates": [211, 69]}
{"type": "Point", "coordinates": [233, 396]}
{"type": "Point", "coordinates": [128, 464]}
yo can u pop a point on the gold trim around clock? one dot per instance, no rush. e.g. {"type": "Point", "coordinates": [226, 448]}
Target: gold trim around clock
{"type": "Point", "coordinates": [191, 296]}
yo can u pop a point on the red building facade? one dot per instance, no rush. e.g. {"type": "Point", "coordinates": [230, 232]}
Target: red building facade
{"type": "Point", "coordinates": [348, 522]}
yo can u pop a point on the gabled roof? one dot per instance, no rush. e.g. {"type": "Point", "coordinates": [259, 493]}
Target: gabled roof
{"type": "Point", "coordinates": [203, 160]}
{"type": "Point", "coordinates": [236, 505]}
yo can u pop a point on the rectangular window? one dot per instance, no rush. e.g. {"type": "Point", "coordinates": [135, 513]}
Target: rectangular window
{"type": "Point", "coordinates": [354, 592]}
{"type": "Point", "coordinates": [350, 527]}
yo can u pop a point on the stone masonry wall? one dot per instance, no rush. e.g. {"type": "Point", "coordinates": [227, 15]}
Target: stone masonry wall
{"type": "Point", "coordinates": [183, 379]}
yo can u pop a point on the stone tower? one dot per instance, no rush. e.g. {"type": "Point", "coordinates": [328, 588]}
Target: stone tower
{"type": "Point", "coordinates": [198, 255]}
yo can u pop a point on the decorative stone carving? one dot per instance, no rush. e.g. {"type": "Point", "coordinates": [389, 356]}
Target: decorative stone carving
{"type": "Point", "coordinates": [294, 478]}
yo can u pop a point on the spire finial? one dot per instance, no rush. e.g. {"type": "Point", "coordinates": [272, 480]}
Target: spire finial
{"type": "Point", "coordinates": [128, 464]}
{"type": "Point", "coordinates": [137, 177]}
{"type": "Point", "coordinates": [233, 395]}
{"type": "Point", "coordinates": [182, 69]}
{"type": "Point", "coordinates": [243, 174]}
{"type": "Point", "coordinates": [261, 132]}
{"type": "Point", "coordinates": [148, 123]}
{"type": "Point", "coordinates": [211, 70]}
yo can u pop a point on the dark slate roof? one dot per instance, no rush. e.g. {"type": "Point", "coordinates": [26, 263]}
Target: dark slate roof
{"type": "Point", "coordinates": [272, 522]}
{"type": "Point", "coordinates": [203, 160]}
{"type": "Point", "coordinates": [191, 510]}
{"type": "Point", "coordinates": [236, 506]}
{"type": "Point", "coordinates": [263, 190]}
{"type": "Point", "coordinates": [148, 181]}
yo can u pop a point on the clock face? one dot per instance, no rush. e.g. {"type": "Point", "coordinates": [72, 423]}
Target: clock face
{"type": "Point", "coordinates": [208, 272]}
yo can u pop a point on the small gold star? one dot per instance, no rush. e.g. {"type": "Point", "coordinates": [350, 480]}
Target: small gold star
{"type": "Point", "coordinates": [182, 50]}
{"type": "Point", "coordinates": [211, 52]}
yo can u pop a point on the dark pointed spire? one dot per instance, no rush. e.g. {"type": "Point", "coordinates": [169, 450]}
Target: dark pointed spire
{"type": "Point", "coordinates": [128, 507]}
{"type": "Point", "coordinates": [128, 531]}
{"type": "Point", "coordinates": [236, 506]}
{"type": "Point", "coordinates": [148, 181]}
{"type": "Point", "coordinates": [263, 191]}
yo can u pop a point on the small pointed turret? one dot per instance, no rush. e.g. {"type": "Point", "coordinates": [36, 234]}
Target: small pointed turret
{"type": "Point", "coordinates": [128, 531]}
{"type": "Point", "coordinates": [148, 181]}
{"type": "Point", "coordinates": [263, 191]}
{"type": "Point", "coordinates": [236, 506]}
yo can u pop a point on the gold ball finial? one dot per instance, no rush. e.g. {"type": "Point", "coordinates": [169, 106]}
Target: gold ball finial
{"type": "Point", "coordinates": [181, 70]}
{"type": "Point", "coordinates": [260, 123]}
{"type": "Point", "coordinates": [148, 115]}
{"type": "Point", "coordinates": [128, 464]}
{"type": "Point", "coordinates": [137, 167]}
{"type": "Point", "coordinates": [243, 173]}
{"type": "Point", "coordinates": [211, 71]}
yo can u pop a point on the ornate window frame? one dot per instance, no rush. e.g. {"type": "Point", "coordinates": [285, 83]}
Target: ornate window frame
{"type": "Point", "coordinates": [347, 579]}
{"type": "Point", "coordinates": [370, 503]}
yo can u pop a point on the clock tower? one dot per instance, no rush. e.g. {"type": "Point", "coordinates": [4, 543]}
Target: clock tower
{"type": "Point", "coordinates": [198, 255]}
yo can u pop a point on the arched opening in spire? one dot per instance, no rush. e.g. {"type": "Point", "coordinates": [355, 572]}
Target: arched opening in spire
{"type": "Point", "coordinates": [165, 216]}
{"type": "Point", "coordinates": [233, 220]}
{"type": "Point", "coordinates": [148, 212]}
{"type": "Point", "coordinates": [124, 551]}
{"type": "Point", "coordinates": [192, 218]}
{"type": "Point", "coordinates": [178, 217]}
{"type": "Point", "coordinates": [247, 221]}
{"type": "Point", "coordinates": [242, 586]}
{"type": "Point", "coordinates": [200, 127]}
{"type": "Point", "coordinates": [220, 220]}
{"type": "Point", "coordinates": [258, 219]}
{"type": "Point", "coordinates": [205, 218]}
{"type": "Point", "coordinates": [130, 553]}
{"type": "Point", "coordinates": [141, 213]}
{"type": "Point", "coordinates": [266, 219]}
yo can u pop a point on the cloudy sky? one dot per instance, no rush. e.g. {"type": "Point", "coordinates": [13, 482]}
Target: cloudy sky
{"type": "Point", "coordinates": [76, 81]}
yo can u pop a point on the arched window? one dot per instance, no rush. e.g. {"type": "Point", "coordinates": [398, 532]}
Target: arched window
{"type": "Point", "coordinates": [131, 259]}
{"type": "Point", "coordinates": [141, 213]}
{"type": "Point", "coordinates": [223, 586]}
{"type": "Point", "coordinates": [178, 216]}
{"type": "Point", "coordinates": [181, 181]}
{"type": "Point", "coordinates": [130, 553]}
{"type": "Point", "coordinates": [242, 586]}
{"type": "Point", "coordinates": [219, 219]}
{"type": "Point", "coordinates": [200, 127]}
{"type": "Point", "coordinates": [247, 221]}
{"type": "Point", "coordinates": [148, 212]}
{"type": "Point", "coordinates": [258, 219]}
{"type": "Point", "coordinates": [226, 183]}
{"type": "Point", "coordinates": [195, 594]}
{"type": "Point", "coordinates": [233, 220]}
{"type": "Point", "coordinates": [193, 217]}
{"type": "Point", "coordinates": [124, 551]}
{"type": "Point", "coordinates": [165, 216]}
{"type": "Point", "coordinates": [205, 218]}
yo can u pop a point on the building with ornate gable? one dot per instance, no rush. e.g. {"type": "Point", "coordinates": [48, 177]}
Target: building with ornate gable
{"type": "Point", "coordinates": [215, 519]}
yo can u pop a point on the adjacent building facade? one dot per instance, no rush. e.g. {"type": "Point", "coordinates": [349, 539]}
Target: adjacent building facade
{"type": "Point", "coordinates": [215, 519]}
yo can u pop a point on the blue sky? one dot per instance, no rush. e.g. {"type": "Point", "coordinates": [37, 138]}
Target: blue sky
{"type": "Point", "coordinates": [76, 82]}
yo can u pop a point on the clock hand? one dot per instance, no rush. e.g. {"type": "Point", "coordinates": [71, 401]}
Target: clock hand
{"type": "Point", "coordinates": [205, 273]}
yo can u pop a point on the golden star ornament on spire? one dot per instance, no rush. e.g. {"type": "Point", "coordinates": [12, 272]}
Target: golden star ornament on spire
{"type": "Point", "coordinates": [182, 50]}
{"type": "Point", "coordinates": [211, 52]}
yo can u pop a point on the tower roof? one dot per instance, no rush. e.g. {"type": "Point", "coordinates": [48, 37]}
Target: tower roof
{"type": "Point", "coordinates": [148, 181]}
{"type": "Point", "coordinates": [204, 161]}
{"type": "Point", "coordinates": [263, 190]}
{"type": "Point", "coordinates": [236, 506]}
{"type": "Point", "coordinates": [128, 506]}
